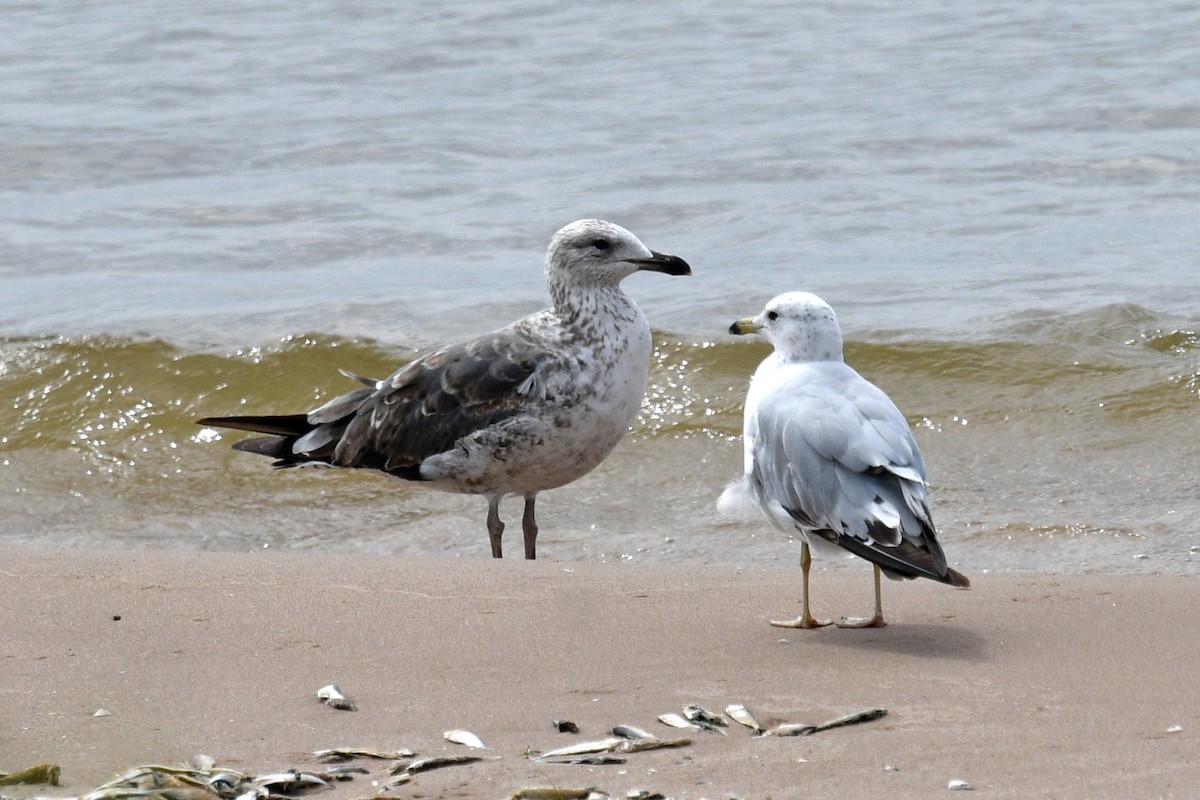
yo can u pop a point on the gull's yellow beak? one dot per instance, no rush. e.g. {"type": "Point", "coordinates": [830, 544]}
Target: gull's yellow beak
{"type": "Point", "coordinates": [744, 326]}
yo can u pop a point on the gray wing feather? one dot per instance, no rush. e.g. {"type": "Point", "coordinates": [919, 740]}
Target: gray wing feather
{"type": "Point", "coordinates": [835, 452]}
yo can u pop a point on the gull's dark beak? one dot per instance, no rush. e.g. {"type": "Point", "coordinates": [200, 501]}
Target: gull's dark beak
{"type": "Point", "coordinates": [661, 262]}
{"type": "Point", "coordinates": [743, 326]}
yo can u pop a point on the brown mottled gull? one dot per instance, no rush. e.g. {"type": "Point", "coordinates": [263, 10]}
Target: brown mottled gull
{"type": "Point", "coordinates": [532, 406]}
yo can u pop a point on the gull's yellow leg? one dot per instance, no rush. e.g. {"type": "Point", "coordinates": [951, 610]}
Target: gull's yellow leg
{"type": "Point", "coordinates": [875, 621]}
{"type": "Point", "coordinates": [805, 620]}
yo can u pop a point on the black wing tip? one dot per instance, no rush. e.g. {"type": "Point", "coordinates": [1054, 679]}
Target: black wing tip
{"type": "Point", "coordinates": [957, 579]}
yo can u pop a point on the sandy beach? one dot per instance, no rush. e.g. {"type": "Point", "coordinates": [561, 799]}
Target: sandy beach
{"type": "Point", "coordinates": [1024, 686]}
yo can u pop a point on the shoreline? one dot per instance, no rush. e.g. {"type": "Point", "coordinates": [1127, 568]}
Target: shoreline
{"type": "Point", "coordinates": [1024, 686]}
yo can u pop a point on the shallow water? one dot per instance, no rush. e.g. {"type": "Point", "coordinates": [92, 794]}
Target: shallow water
{"type": "Point", "coordinates": [210, 209]}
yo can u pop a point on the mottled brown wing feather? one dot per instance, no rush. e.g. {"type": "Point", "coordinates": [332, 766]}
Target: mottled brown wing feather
{"type": "Point", "coordinates": [430, 404]}
{"type": "Point", "coordinates": [422, 409]}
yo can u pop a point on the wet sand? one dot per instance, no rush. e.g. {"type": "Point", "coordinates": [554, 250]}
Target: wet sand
{"type": "Point", "coordinates": [1025, 686]}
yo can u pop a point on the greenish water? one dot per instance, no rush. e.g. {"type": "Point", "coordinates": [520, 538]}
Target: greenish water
{"type": "Point", "coordinates": [1059, 442]}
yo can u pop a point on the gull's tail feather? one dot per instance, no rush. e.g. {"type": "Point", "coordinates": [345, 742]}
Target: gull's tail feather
{"type": "Point", "coordinates": [901, 562]}
{"type": "Point", "coordinates": [279, 424]}
{"type": "Point", "coordinates": [285, 430]}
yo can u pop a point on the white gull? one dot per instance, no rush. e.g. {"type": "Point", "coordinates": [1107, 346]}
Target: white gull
{"type": "Point", "coordinates": [830, 457]}
{"type": "Point", "coordinates": [530, 407]}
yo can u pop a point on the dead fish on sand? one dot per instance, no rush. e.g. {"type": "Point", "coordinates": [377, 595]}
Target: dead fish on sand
{"type": "Point", "coordinates": [332, 696]}
{"type": "Point", "coordinates": [581, 748]}
{"type": "Point", "coordinates": [695, 713]}
{"type": "Point", "coordinates": [653, 743]}
{"type": "Point", "coordinates": [676, 721]}
{"type": "Point", "coordinates": [432, 762]}
{"type": "Point", "coordinates": [593, 760]}
{"type": "Point", "coordinates": [291, 782]}
{"type": "Point", "coordinates": [791, 729]}
{"type": "Point", "coordinates": [804, 729]}
{"type": "Point", "coordinates": [853, 719]}
{"type": "Point", "coordinates": [631, 732]}
{"type": "Point", "coordinates": [464, 737]}
{"type": "Point", "coordinates": [742, 716]}
{"type": "Point", "coordinates": [348, 753]}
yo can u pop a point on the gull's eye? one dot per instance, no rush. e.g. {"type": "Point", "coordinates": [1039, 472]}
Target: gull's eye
{"type": "Point", "coordinates": [772, 315]}
{"type": "Point", "coordinates": [600, 244]}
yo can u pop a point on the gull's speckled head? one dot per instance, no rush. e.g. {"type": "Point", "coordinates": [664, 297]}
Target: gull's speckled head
{"type": "Point", "coordinates": [595, 251]}
{"type": "Point", "coordinates": [801, 326]}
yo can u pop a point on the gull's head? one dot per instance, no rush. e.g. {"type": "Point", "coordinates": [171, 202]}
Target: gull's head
{"type": "Point", "coordinates": [595, 252]}
{"type": "Point", "coordinates": [801, 326]}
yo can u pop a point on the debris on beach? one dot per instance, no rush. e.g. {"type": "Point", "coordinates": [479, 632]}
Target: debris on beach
{"type": "Point", "coordinates": [189, 782]}
{"type": "Point", "coordinates": [676, 721]}
{"type": "Point", "coordinates": [464, 737]}
{"type": "Point", "coordinates": [805, 729]}
{"type": "Point", "coordinates": [333, 697]}
{"type": "Point", "coordinates": [553, 793]}
{"type": "Point", "coordinates": [631, 732]}
{"type": "Point", "coordinates": [742, 716]}
{"type": "Point", "coordinates": [40, 775]}
{"type": "Point", "coordinates": [102, 712]}
{"type": "Point", "coordinates": [959, 785]}
{"type": "Point", "coordinates": [653, 743]}
{"type": "Point", "coordinates": [334, 754]}
{"type": "Point", "coordinates": [791, 729]}
{"type": "Point", "coordinates": [695, 713]}
{"type": "Point", "coordinates": [432, 762]}
{"type": "Point", "coordinates": [695, 717]}
{"type": "Point", "coordinates": [852, 719]}
{"type": "Point", "coordinates": [291, 782]}
{"type": "Point", "coordinates": [626, 739]}
{"type": "Point", "coordinates": [203, 779]}
{"type": "Point", "coordinates": [593, 760]}
{"type": "Point", "coordinates": [581, 748]}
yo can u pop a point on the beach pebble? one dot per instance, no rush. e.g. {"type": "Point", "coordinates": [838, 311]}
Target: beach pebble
{"type": "Point", "coordinates": [102, 712]}
{"type": "Point", "coordinates": [959, 785]}
{"type": "Point", "coordinates": [1175, 729]}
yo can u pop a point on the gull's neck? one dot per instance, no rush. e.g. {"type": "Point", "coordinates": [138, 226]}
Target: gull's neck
{"type": "Point", "coordinates": [587, 306]}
